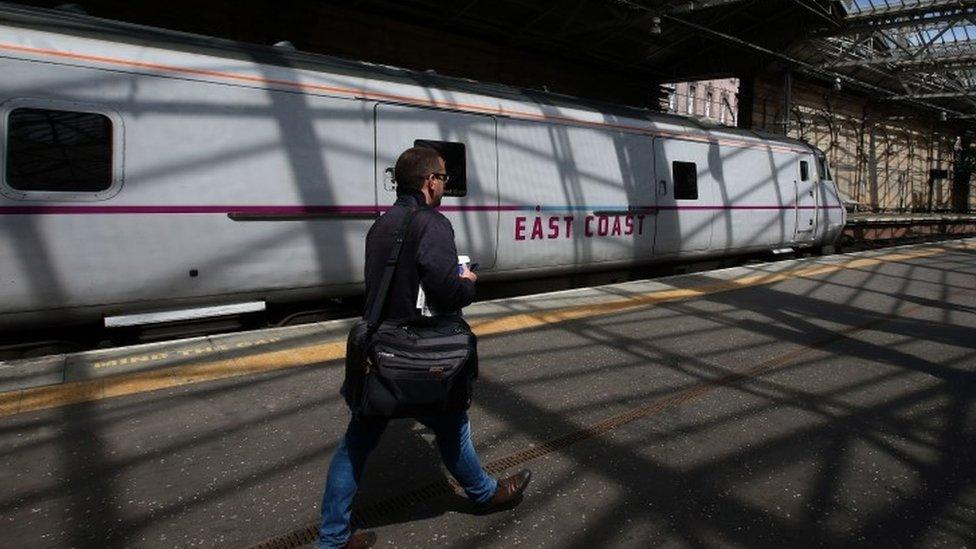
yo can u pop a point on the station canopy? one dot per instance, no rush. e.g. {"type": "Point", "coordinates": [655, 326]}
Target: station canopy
{"type": "Point", "coordinates": [649, 41]}
{"type": "Point", "coordinates": [916, 52]}
{"type": "Point", "coordinates": [920, 52]}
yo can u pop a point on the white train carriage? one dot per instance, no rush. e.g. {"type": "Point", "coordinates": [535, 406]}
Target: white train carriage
{"type": "Point", "coordinates": [145, 170]}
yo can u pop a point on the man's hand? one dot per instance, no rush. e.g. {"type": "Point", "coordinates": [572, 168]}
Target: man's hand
{"type": "Point", "coordinates": [468, 274]}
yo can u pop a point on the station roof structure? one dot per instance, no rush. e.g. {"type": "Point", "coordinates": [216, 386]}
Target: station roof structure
{"type": "Point", "coordinates": [663, 40]}
{"type": "Point", "coordinates": [915, 51]}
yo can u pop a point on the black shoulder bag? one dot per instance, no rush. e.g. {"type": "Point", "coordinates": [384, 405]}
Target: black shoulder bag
{"type": "Point", "coordinates": [408, 367]}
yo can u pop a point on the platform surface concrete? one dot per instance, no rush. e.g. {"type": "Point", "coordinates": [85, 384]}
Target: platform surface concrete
{"type": "Point", "coordinates": [820, 402]}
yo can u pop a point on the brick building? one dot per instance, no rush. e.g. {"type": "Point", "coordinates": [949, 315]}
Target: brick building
{"type": "Point", "coordinates": [713, 99]}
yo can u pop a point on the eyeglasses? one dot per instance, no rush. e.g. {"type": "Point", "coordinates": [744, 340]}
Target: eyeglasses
{"type": "Point", "coordinates": [442, 176]}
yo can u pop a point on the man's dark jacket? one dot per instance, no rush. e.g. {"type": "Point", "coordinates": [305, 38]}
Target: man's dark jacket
{"type": "Point", "coordinates": [428, 257]}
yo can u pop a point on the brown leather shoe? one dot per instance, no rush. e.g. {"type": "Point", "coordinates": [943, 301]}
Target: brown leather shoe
{"type": "Point", "coordinates": [509, 492]}
{"type": "Point", "coordinates": [361, 540]}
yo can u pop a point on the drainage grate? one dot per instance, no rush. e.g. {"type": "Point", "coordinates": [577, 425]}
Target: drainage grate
{"type": "Point", "coordinates": [371, 515]}
{"type": "Point", "coordinates": [296, 538]}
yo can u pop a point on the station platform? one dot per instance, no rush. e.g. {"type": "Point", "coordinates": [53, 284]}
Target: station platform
{"type": "Point", "coordinates": [866, 227]}
{"type": "Point", "coordinates": [812, 402]}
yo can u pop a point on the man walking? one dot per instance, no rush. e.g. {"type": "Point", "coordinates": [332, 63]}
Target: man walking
{"type": "Point", "coordinates": [428, 261]}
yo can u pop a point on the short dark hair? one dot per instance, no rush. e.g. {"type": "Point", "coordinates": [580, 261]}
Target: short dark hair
{"type": "Point", "coordinates": [413, 166]}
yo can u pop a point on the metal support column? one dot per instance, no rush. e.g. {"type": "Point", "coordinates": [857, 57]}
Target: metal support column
{"type": "Point", "coordinates": [746, 101]}
{"type": "Point", "coordinates": [787, 99]}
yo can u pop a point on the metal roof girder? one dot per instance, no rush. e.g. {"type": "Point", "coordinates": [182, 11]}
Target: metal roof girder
{"type": "Point", "coordinates": [689, 7]}
{"type": "Point", "coordinates": [949, 56]}
{"type": "Point", "coordinates": [915, 21]}
{"type": "Point", "coordinates": [950, 90]}
{"type": "Point", "coordinates": [899, 41]}
{"type": "Point", "coordinates": [901, 76]}
{"type": "Point", "coordinates": [968, 94]}
{"type": "Point", "coordinates": [939, 35]}
{"type": "Point", "coordinates": [920, 8]}
{"type": "Point", "coordinates": [935, 95]}
{"type": "Point", "coordinates": [848, 49]}
{"type": "Point", "coordinates": [904, 83]}
{"type": "Point", "coordinates": [945, 68]}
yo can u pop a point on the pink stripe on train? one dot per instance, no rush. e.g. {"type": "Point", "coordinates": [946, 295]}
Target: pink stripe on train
{"type": "Point", "coordinates": [341, 210]}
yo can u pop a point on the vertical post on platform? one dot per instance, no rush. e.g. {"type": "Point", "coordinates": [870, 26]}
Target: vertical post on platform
{"type": "Point", "coordinates": [745, 103]}
{"type": "Point", "coordinates": [932, 171]}
{"type": "Point", "coordinates": [873, 167]}
{"type": "Point", "coordinates": [787, 99]}
{"type": "Point", "coordinates": [962, 174]}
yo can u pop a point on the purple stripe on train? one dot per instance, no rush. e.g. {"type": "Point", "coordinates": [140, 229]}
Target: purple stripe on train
{"type": "Point", "coordinates": [353, 210]}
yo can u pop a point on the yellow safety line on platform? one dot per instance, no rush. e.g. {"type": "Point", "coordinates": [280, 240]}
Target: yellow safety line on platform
{"type": "Point", "coordinates": [51, 396]}
{"type": "Point", "coordinates": [530, 320]}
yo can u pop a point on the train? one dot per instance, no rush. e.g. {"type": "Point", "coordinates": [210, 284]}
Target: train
{"type": "Point", "coordinates": [149, 174]}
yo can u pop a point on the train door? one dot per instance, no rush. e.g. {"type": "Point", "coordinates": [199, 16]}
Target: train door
{"type": "Point", "coordinates": [468, 144]}
{"type": "Point", "coordinates": [685, 195]}
{"type": "Point", "coordinates": [806, 200]}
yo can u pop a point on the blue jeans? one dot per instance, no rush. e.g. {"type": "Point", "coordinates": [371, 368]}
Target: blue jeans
{"type": "Point", "coordinates": [453, 440]}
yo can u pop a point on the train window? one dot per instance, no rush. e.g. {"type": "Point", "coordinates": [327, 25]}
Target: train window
{"type": "Point", "coordinates": [58, 151]}
{"type": "Point", "coordinates": [685, 177]}
{"type": "Point", "coordinates": [454, 160]}
{"type": "Point", "coordinates": [822, 171]}
{"type": "Point", "coordinates": [804, 170]}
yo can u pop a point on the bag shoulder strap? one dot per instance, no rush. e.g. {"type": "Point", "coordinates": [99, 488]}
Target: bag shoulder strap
{"type": "Point", "coordinates": [373, 316]}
